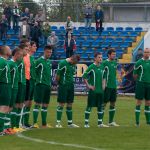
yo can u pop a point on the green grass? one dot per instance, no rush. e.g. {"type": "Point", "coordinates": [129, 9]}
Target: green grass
{"type": "Point", "coordinates": [127, 136]}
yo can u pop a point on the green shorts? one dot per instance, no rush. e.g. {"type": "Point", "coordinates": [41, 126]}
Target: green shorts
{"type": "Point", "coordinates": [142, 91]}
{"type": "Point", "coordinates": [42, 93]}
{"type": "Point", "coordinates": [5, 94]}
{"type": "Point", "coordinates": [110, 95]}
{"type": "Point", "coordinates": [13, 97]}
{"type": "Point", "coordinates": [32, 87]}
{"type": "Point", "coordinates": [95, 99]}
{"type": "Point", "coordinates": [21, 93]}
{"type": "Point", "coordinates": [65, 93]}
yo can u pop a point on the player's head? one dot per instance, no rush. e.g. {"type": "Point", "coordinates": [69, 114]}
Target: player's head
{"type": "Point", "coordinates": [146, 54]}
{"type": "Point", "coordinates": [98, 57]}
{"type": "Point", "coordinates": [24, 48]}
{"type": "Point", "coordinates": [47, 52]}
{"type": "Point", "coordinates": [74, 59]}
{"type": "Point", "coordinates": [26, 42]}
{"type": "Point", "coordinates": [17, 54]}
{"type": "Point", "coordinates": [33, 47]}
{"type": "Point", "coordinates": [5, 51]}
{"type": "Point", "coordinates": [111, 54]}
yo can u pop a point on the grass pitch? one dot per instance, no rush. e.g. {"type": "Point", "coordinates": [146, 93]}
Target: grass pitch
{"type": "Point", "coordinates": [125, 137]}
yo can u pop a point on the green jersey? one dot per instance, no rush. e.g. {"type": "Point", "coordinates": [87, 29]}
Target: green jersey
{"type": "Point", "coordinates": [95, 75]}
{"type": "Point", "coordinates": [4, 71]}
{"type": "Point", "coordinates": [32, 67]}
{"type": "Point", "coordinates": [43, 71]}
{"type": "Point", "coordinates": [66, 71]}
{"type": "Point", "coordinates": [142, 69]}
{"type": "Point", "coordinates": [111, 70]}
{"type": "Point", "coordinates": [14, 73]}
{"type": "Point", "coordinates": [21, 72]}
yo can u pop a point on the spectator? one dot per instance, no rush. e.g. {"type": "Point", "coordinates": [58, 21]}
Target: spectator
{"type": "Point", "coordinates": [16, 17]}
{"type": "Point", "coordinates": [139, 54]}
{"type": "Point", "coordinates": [53, 42]}
{"type": "Point", "coordinates": [8, 12]}
{"type": "Point", "coordinates": [46, 31]}
{"type": "Point", "coordinates": [25, 30]}
{"type": "Point", "coordinates": [88, 11]}
{"type": "Point", "coordinates": [69, 45]}
{"type": "Point", "coordinates": [40, 17]}
{"type": "Point", "coordinates": [31, 20]}
{"type": "Point", "coordinates": [25, 15]}
{"type": "Point", "coordinates": [3, 27]}
{"type": "Point", "coordinates": [99, 17]}
{"type": "Point", "coordinates": [69, 25]}
{"type": "Point", "coordinates": [35, 33]}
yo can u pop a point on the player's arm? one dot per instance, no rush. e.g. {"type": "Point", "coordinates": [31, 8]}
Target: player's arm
{"type": "Point", "coordinates": [60, 70]}
{"type": "Point", "coordinates": [85, 77]}
{"type": "Point", "coordinates": [136, 69]}
{"type": "Point", "coordinates": [104, 79]}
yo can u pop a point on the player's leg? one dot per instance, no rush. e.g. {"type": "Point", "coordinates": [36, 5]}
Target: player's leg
{"type": "Point", "coordinates": [147, 103]}
{"type": "Point", "coordinates": [70, 100]}
{"type": "Point", "coordinates": [45, 104]}
{"type": "Point", "coordinates": [38, 96]}
{"type": "Point", "coordinates": [88, 109]}
{"type": "Point", "coordinates": [112, 108]}
{"type": "Point", "coordinates": [61, 99]}
{"type": "Point", "coordinates": [139, 95]}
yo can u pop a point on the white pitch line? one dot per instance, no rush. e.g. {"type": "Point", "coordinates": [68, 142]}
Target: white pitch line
{"type": "Point", "coordinates": [56, 143]}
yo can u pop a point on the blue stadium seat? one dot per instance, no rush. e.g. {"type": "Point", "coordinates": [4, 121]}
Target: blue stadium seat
{"type": "Point", "coordinates": [133, 34]}
{"type": "Point", "coordinates": [119, 29]}
{"type": "Point", "coordinates": [119, 40]}
{"type": "Point", "coordinates": [79, 51]}
{"type": "Point", "coordinates": [89, 51]}
{"type": "Point", "coordinates": [93, 28]}
{"type": "Point", "coordinates": [110, 28]}
{"type": "Point", "coordinates": [76, 33]}
{"type": "Point", "coordinates": [60, 50]}
{"type": "Point", "coordinates": [128, 40]}
{"type": "Point", "coordinates": [54, 28]}
{"type": "Point", "coordinates": [1, 43]}
{"type": "Point", "coordinates": [114, 33]}
{"type": "Point", "coordinates": [104, 45]}
{"type": "Point", "coordinates": [95, 44]}
{"type": "Point", "coordinates": [109, 40]}
{"type": "Point", "coordinates": [124, 45]}
{"type": "Point", "coordinates": [105, 33]}
{"type": "Point", "coordinates": [85, 44]}
{"type": "Point", "coordinates": [95, 33]}
{"type": "Point", "coordinates": [14, 39]}
{"type": "Point", "coordinates": [99, 39]}
{"type": "Point", "coordinates": [84, 56]}
{"type": "Point", "coordinates": [81, 28]}
{"type": "Point", "coordinates": [128, 29]}
{"type": "Point", "coordinates": [123, 34]}
{"type": "Point", "coordinates": [139, 29]}
{"type": "Point", "coordinates": [9, 43]}
{"type": "Point", "coordinates": [115, 45]}
{"type": "Point", "coordinates": [40, 49]}
{"type": "Point", "coordinates": [89, 39]}
{"type": "Point", "coordinates": [62, 28]}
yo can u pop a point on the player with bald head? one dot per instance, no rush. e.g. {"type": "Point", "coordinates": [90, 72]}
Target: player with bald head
{"type": "Point", "coordinates": [142, 91]}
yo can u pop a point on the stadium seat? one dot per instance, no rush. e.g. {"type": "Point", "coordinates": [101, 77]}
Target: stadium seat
{"type": "Point", "coordinates": [99, 39]}
{"type": "Point", "coordinates": [119, 40]}
{"type": "Point", "coordinates": [9, 43]}
{"type": "Point", "coordinates": [1, 43]}
{"type": "Point", "coordinates": [115, 45]}
{"type": "Point", "coordinates": [110, 29]}
{"type": "Point", "coordinates": [89, 51]}
{"type": "Point", "coordinates": [95, 44]}
{"type": "Point", "coordinates": [54, 28]}
{"type": "Point", "coordinates": [114, 33]}
{"type": "Point", "coordinates": [85, 44]}
{"type": "Point", "coordinates": [62, 28]}
{"type": "Point", "coordinates": [128, 29]}
{"type": "Point", "coordinates": [139, 29]}
{"type": "Point", "coordinates": [109, 40]}
{"type": "Point", "coordinates": [105, 33]}
{"type": "Point", "coordinates": [133, 34]}
{"type": "Point", "coordinates": [104, 45]}
{"type": "Point", "coordinates": [124, 34]}
{"type": "Point", "coordinates": [119, 29]}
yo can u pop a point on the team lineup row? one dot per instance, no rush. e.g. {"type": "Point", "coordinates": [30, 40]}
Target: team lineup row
{"type": "Point", "coordinates": [23, 79]}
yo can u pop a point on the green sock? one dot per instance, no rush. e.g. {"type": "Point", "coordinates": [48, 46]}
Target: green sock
{"type": "Point", "coordinates": [59, 113]}
{"type": "Point", "coordinates": [100, 115]}
{"type": "Point", "coordinates": [7, 121]}
{"type": "Point", "coordinates": [44, 115]}
{"type": "Point", "coordinates": [147, 114]}
{"type": "Point", "coordinates": [35, 113]}
{"type": "Point", "coordinates": [26, 115]}
{"type": "Point", "coordinates": [87, 114]}
{"type": "Point", "coordinates": [13, 117]}
{"type": "Point", "coordinates": [137, 114]}
{"type": "Point", "coordinates": [111, 113]}
{"type": "Point", "coordinates": [69, 115]}
{"type": "Point", "coordinates": [2, 120]}
{"type": "Point", "coordinates": [18, 117]}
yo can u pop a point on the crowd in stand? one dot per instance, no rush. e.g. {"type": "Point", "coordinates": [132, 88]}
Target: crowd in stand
{"type": "Point", "coordinates": [35, 27]}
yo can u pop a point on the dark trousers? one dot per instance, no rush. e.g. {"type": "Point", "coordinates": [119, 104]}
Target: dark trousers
{"type": "Point", "coordinates": [15, 23]}
{"type": "Point", "coordinates": [99, 25]}
{"type": "Point", "coordinates": [3, 33]}
{"type": "Point", "coordinates": [69, 53]}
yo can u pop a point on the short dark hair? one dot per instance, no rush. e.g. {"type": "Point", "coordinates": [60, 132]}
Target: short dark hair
{"type": "Point", "coordinates": [15, 51]}
{"type": "Point", "coordinates": [110, 52]}
{"type": "Point", "coordinates": [32, 43]}
{"type": "Point", "coordinates": [96, 54]}
{"type": "Point", "coordinates": [23, 41]}
{"type": "Point", "coordinates": [47, 47]}
{"type": "Point", "coordinates": [76, 57]}
{"type": "Point", "coordinates": [22, 46]}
